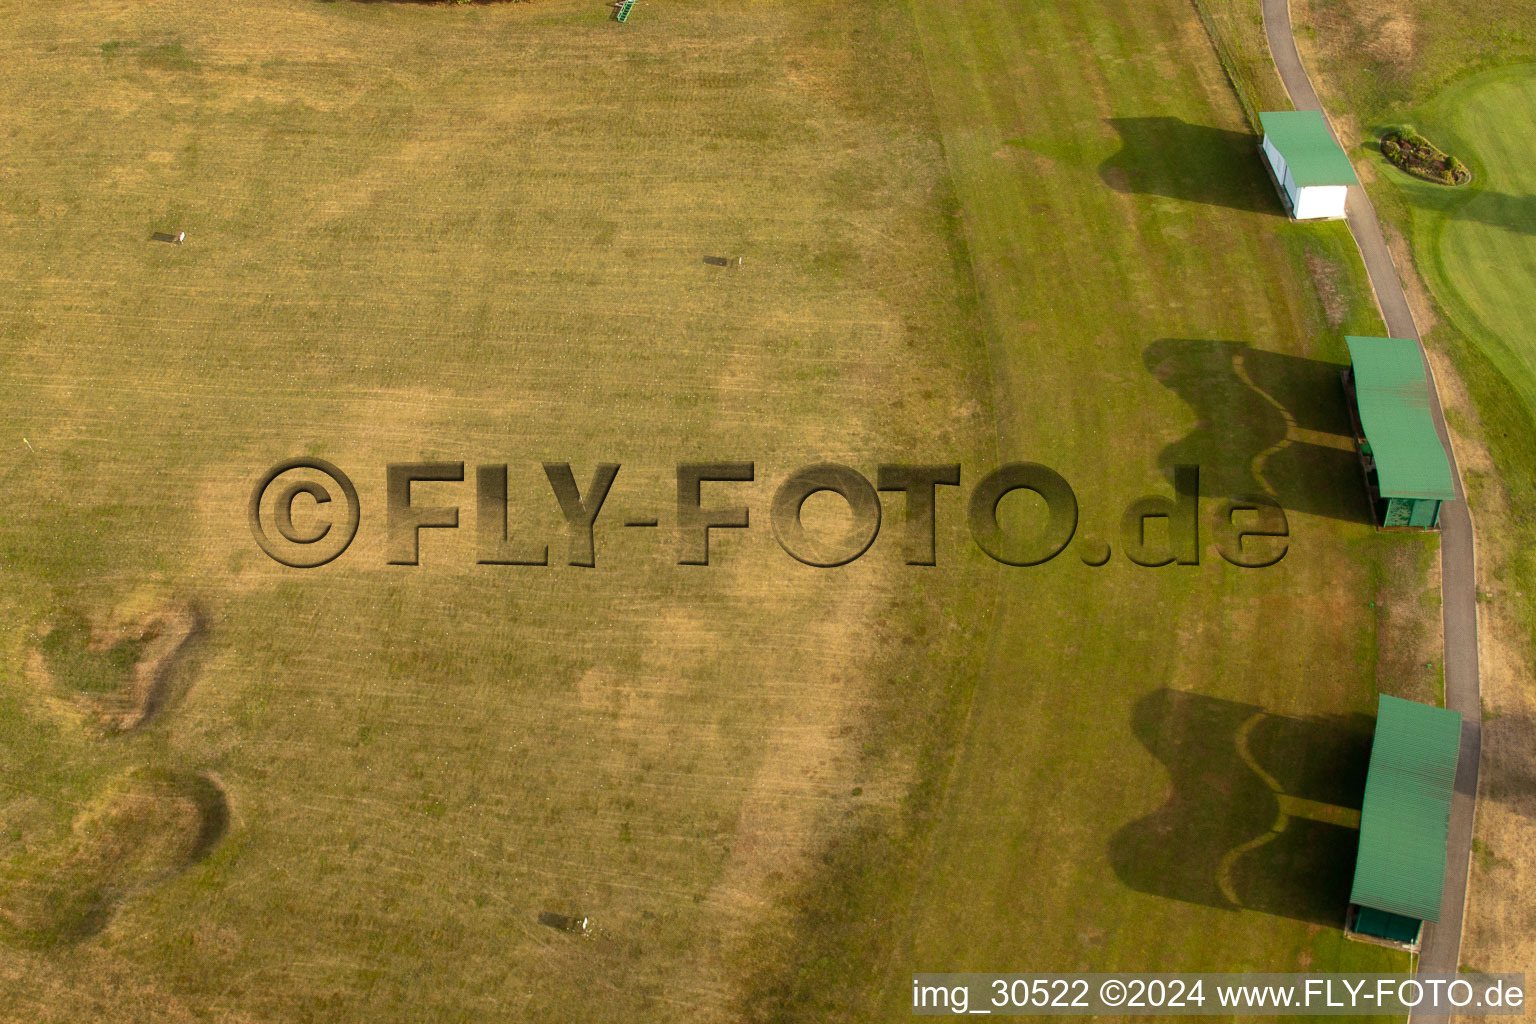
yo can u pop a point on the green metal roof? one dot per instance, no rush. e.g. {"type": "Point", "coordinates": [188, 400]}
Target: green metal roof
{"type": "Point", "coordinates": [1406, 815]}
{"type": "Point", "coordinates": [1393, 393]}
{"type": "Point", "coordinates": [1302, 137]}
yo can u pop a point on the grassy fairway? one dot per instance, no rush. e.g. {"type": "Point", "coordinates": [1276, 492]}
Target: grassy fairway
{"type": "Point", "coordinates": [972, 231]}
{"type": "Point", "coordinates": [1132, 264]}
{"type": "Point", "coordinates": [1480, 243]}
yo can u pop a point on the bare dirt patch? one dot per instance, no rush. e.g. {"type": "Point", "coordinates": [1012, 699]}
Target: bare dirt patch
{"type": "Point", "coordinates": [1500, 931]}
{"type": "Point", "coordinates": [1326, 279]}
{"type": "Point", "coordinates": [1409, 645]}
{"type": "Point", "coordinates": [1391, 38]}
{"type": "Point", "coordinates": [1418, 297]}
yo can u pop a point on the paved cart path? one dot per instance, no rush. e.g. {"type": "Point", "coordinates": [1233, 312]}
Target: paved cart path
{"type": "Point", "coordinates": [1442, 941]}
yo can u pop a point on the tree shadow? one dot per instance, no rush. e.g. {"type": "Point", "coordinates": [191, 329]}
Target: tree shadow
{"type": "Point", "coordinates": [1260, 810]}
{"type": "Point", "coordinates": [1475, 203]}
{"type": "Point", "coordinates": [1166, 156]}
{"type": "Point", "coordinates": [1508, 777]}
{"type": "Point", "coordinates": [1502, 210]}
{"type": "Point", "coordinates": [1250, 405]}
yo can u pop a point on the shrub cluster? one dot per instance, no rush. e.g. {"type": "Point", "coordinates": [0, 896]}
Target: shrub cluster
{"type": "Point", "coordinates": [1415, 154]}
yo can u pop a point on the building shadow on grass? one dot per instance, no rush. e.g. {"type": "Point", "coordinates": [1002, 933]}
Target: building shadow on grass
{"type": "Point", "coordinates": [1166, 156]}
{"type": "Point", "coordinates": [1262, 811]}
{"type": "Point", "coordinates": [1261, 422]}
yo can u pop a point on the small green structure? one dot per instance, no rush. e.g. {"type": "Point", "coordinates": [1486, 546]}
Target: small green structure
{"type": "Point", "coordinates": [621, 14]}
{"type": "Point", "coordinates": [1404, 822]}
{"type": "Point", "coordinates": [1407, 473]}
{"type": "Point", "coordinates": [1311, 171]}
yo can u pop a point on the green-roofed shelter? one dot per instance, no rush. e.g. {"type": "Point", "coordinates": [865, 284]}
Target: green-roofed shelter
{"type": "Point", "coordinates": [1309, 167]}
{"type": "Point", "coordinates": [1405, 820]}
{"type": "Point", "coordinates": [1407, 472]}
